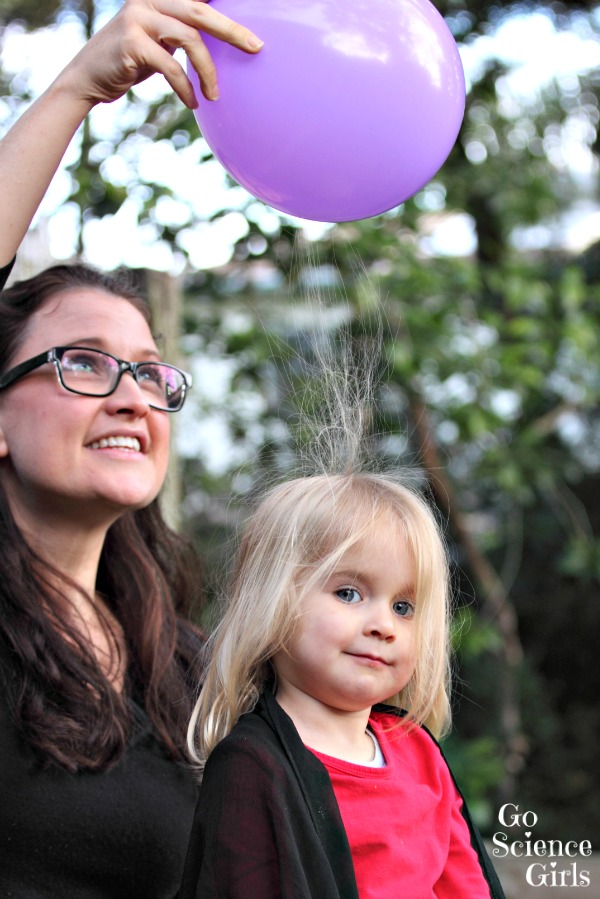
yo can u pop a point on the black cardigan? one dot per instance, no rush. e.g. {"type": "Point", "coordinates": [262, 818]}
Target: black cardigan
{"type": "Point", "coordinates": [285, 839]}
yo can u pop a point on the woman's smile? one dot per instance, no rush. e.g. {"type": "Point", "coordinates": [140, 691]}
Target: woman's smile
{"type": "Point", "coordinates": [117, 442]}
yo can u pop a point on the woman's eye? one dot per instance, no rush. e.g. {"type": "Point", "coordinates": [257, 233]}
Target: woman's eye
{"type": "Point", "coordinates": [404, 608]}
{"type": "Point", "coordinates": [348, 594]}
{"type": "Point", "coordinates": [151, 375]}
{"type": "Point", "coordinates": [81, 362]}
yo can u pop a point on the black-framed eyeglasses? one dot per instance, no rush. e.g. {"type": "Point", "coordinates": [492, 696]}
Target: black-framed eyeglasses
{"type": "Point", "coordinates": [90, 372]}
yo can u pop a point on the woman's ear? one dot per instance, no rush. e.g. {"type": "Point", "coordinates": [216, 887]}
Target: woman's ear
{"type": "Point", "coordinates": [3, 442]}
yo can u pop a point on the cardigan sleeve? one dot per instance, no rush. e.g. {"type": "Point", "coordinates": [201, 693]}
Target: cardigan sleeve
{"type": "Point", "coordinates": [233, 845]}
{"type": "Point", "coordinates": [253, 833]}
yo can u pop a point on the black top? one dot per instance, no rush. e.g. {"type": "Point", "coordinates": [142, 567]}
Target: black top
{"type": "Point", "coordinates": [119, 834]}
{"type": "Point", "coordinates": [284, 838]}
{"type": "Point", "coordinates": [5, 272]}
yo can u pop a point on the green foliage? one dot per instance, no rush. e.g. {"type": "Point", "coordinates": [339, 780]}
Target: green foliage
{"type": "Point", "coordinates": [35, 13]}
{"type": "Point", "coordinates": [581, 559]}
{"type": "Point", "coordinates": [477, 766]}
{"type": "Point", "coordinates": [471, 636]}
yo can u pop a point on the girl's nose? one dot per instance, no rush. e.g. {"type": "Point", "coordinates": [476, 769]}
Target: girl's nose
{"type": "Point", "coordinates": [380, 622]}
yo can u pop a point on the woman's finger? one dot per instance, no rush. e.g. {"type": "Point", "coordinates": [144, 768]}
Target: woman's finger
{"type": "Point", "coordinates": [197, 52]}
{"type": "Point", "coordinates": [205, 17]}
{"type": "Point", "coordinates": [181, 23]}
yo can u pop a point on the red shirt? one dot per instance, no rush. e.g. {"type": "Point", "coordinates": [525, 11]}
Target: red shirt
{"type": "Point", "coordinates": [404, 825]}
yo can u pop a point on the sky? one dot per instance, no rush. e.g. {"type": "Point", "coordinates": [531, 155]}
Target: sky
{"type": "Point", "coordinates": [535, 51]}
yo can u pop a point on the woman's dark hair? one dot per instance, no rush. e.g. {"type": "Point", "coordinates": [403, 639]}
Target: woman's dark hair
{"type": "Point", "coordinates": [23, 298]}
{"type": "Point", "coordinates": [64, 705]}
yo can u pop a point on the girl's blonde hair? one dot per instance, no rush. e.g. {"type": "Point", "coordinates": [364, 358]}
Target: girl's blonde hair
{"type": "Point", "coordinates": [292, 542]}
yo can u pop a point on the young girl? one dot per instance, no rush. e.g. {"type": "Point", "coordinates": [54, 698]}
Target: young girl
{"type": "Point", "coordinates": [312, 786]}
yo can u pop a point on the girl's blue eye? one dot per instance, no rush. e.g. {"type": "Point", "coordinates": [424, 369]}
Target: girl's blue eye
{"type": "Point", "coordinates": [348, 594]}
{"type": "Point", "coordinates": [404, 608]}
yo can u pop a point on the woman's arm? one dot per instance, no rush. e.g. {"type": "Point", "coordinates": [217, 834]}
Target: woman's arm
{"type": "Point", "coordinates": [137, 42]}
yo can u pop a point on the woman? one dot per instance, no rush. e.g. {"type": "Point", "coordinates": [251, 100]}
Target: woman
{"type": "Point", "coordinates": [96, 652]}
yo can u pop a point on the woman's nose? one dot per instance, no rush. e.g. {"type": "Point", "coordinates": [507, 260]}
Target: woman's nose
{"type": "Point", "coordinates": [128, 397]}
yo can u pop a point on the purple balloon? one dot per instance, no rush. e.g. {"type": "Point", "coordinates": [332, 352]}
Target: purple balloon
{"type": "Point", "coordinates": [348, 110]}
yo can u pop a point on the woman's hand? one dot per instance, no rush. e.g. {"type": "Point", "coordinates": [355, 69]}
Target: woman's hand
{"type": "Point", "coordinates": [141, 39]}
{"type": "Point", "coordinates": [137, 42]}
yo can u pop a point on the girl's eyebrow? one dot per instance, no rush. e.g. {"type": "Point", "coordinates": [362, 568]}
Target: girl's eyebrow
{"type": "Point", "coordinates": [346, 572]}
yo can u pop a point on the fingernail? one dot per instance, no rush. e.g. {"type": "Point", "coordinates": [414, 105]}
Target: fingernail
{"type": "Point", "coordinates": [254, 43]}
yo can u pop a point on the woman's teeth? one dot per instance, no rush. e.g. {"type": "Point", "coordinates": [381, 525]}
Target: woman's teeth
{"type": "Point", "coordinates": [131, 443]}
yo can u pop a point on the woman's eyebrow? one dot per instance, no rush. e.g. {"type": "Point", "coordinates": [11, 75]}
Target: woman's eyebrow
{"type": "Point", "coordinates": [150, 353]}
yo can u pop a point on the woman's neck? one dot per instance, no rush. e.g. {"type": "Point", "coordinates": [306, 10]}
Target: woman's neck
{"type": "Point", "coordinates": [71, 546]}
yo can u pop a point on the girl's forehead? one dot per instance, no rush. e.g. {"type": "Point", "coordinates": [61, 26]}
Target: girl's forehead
{"type": "Point", "coordinates": [382, 558]}
{"type": "Point", "coordinates": [385, 534]}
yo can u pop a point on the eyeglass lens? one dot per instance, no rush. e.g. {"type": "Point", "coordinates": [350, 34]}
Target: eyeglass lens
{"type": "Point", "coordinates": [94, 373]}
